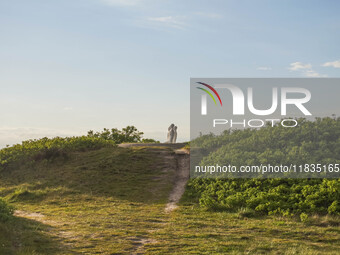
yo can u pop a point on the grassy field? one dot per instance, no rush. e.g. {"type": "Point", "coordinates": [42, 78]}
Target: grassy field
{"type": "Point", "coordinates": [112, 200]}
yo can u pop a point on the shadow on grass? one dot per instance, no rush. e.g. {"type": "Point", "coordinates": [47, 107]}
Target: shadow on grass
{"type": "Point", "coordinates": [25, 236]}
{"type": "Point", "coordinates": [142, 175]}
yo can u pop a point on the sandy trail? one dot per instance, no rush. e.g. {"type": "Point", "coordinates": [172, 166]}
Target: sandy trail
{"type": "Point", "coordinates": [181, 178]}
{"type": "Point", "coordinates": [182, 169]}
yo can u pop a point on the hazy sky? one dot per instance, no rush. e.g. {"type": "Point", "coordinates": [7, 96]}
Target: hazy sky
{"type": "Point", "coordinates": [68, 66]}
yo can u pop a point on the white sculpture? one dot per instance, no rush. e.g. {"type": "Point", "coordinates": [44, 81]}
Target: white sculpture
{"type": "Point", "coordinates": [175, 135]}
{"type": "Point", "coordinates": [172, 134]}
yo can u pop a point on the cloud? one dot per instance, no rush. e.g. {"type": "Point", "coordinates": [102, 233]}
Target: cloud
{"type": "Point", "coordinates": [299, 66]}
{"type": "Point", "coordinates": [312, 73]}
{"type": "Point", "coordinates": [306, 69]}
{"type": "Point", "coordinates": [335, 64]}
{"type": "Point", "coordinates": [121, 2]}
{"type": "Point", "coordinates": [264, 68]}
{"type": "Point", "coordinates": [67, 108]}
{"type": "Point", "coordinates": [169, 21]}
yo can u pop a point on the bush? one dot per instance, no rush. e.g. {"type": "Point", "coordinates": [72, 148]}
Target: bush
{"type": "Point", "coordinates": [334, 208]}
{"type": "Point", "coordinates": [49, 149]}
{"type": "Point", "coordinates": [303, 217]}
{"type": "Point", "coordinates": [148, 140]}
{"type": "Point", "coordinates": [269, 196]}
{"type": "Point", "coordinates": [130, 134]}
{"type": "Point", "coordinates": [58, 147]}
{"type": "Point", "coordinates": [6, 211]}
{"type": "Point", "coordinates": [312, 141]}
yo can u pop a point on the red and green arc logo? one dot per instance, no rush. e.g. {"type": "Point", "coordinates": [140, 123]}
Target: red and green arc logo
{"type": "Point", "coordinates": [209, 93]}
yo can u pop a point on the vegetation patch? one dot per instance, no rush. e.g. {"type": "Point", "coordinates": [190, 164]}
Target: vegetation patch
{"type": "Point", "coordinates": [6, 211]}
{"type": "Point", "coordinates": [269, 196]}
{"type": "Point", "coordinates": [49, 149]}
{"type": "Point", "coordinates": [311, 142]}
{"type": "Point", "coordinates": [111, 200]}
{"type": "Point", "coordinates": [24, 194]}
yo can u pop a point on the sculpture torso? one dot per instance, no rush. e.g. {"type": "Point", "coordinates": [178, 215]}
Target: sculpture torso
{"type": "Point", "coordinates": [172, 134]}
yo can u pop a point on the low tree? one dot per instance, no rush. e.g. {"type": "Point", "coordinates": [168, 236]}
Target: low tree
{"type": "Point", "coordinates": [129, 134]}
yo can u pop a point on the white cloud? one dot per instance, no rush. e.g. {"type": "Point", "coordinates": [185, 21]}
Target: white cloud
{"type": "Point", "coordinates": [335, 64]}
{"type": "Point", "coordinates": [121, 2]}
{"type": "Point", "coordinates": [312, 73]}
{"type": "Point", "coordinates": [299, 66]}
{"type": "Point", "coordinates": [67, 108]}
{"type": "Point", "coordinates": [169, 21]}
{"type": "Point", "coordinates": [305, 69]}
{"type": "Point", "coordinates": [264, 68]}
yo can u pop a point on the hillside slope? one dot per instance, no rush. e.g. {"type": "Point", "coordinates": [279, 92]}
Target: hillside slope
{"type": "Point", "coordinates": [96, 201]}
{"type": "Point", "coordinates": [112, 201]}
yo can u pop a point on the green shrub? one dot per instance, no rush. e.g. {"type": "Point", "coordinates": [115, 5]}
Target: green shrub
{"type": "Point", "coordinates": [6, 211]}
{"type": "Point", "coordinates": [334, 208]}
{"type": "Point", "coordinates": [269, 196]}
{"type": "Point", "coordinates": [148, 140]}
{"type": "Point", "coordinates": [58, 147]}
{"type": "Point", "coordinates": [130, 134]}
{"type": "Point", "coordinates": [312, 141]}
{"type": "Point", "coordinates": [49, 149]}
{"type": "Point", "coordinates": [303, 217]}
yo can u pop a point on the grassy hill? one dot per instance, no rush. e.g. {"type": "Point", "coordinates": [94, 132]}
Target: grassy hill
{"type": "Point", "coordinates": [111, 200]}
{"type": "Point", "coordinates": [95, 201]}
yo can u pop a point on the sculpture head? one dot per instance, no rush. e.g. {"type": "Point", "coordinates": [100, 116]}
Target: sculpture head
{"type": "Point", "coordinates": [171, 127]}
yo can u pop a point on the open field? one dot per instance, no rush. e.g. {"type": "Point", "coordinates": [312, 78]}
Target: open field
{"type": "Point", "coordinates": [112, 201]}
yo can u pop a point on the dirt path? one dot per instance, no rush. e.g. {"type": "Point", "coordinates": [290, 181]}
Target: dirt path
{"type": "Point", "coordinates": [181, 178]}
{"type": "Point", "coordinates": [182, 170]}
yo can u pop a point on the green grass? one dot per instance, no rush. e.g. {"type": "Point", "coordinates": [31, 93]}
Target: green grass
{"type": "Point", "coordinates": [112, 200]}
{"type": "Point", "coordinates": [192, 230]}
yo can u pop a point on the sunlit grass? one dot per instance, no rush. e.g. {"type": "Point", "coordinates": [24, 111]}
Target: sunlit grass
{"type": "Point", "coordinates": [111, 201]}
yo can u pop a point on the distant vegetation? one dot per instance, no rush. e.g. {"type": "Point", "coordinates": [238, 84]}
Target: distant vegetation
{"type": "Point", "coordinates": [313, 142]}
{"type": "Point", "coordinates": [51, 148]}
{"type": "Point", "coordinates": [130, 134]}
